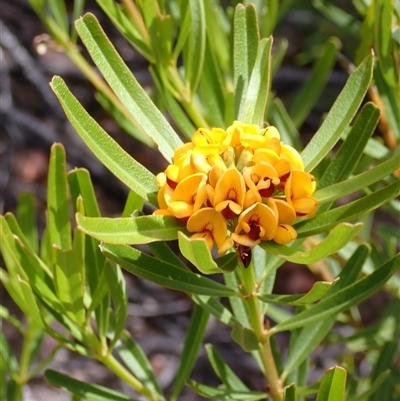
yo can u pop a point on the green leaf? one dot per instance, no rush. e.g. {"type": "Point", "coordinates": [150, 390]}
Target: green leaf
{"type": "Point", "coordinates": [131, 230]}
{"type": "Point", "coordinates": [80, 184]}
{"type": "Point", "coordinates": [117, 289]}
{"type": "Point", "coordinates": [342, 300]}
{"type": "Point", "coordinates": [32, 309]}
{"type": "Point", "coordinates": [349, 154]}
{"type": "Point", "coordinates": [69, 284]}
{"type": "Point", "coordinates": [311, 90]}
{"type": "Point", "coordinates": [122, 165]}
{"type": "Point", "coordinates": [378, 390]}
{"type": "Point", "coordinates": [311, 335]}
{"type": "Point", "coordinates": [333, 385]}
{"type": "Point", "coordinates": [256, 95]}
{"type": "Point", "coordinates": [57, 199]}
{"type": "Point", "coordinates": [245, 45]}
{"type": "Point", "coordinates": [224, 394]}
{"type": "Point", "coordinates": [163, 273]}
{"type": "Point", "coordinates": [27, 219]}
{"type": "Point", "coordinates": [193, 55]}
{"type": "Point", "coordinates": [360, 181]}
{"type": "Point", "coordinates": [197, 252]}
{"type": "Point", "coordinates": [245, 337]}
{"type": "Point", "coordinates": [133, 204]}
{"type": "Point", "coordinates": [91, 392]}
{"type": "Point", "coordinates": [391, 102]}
{"type": "Point", "coordinates": [223, 371]}
{"type": "Point", "coordinates": [136, 360]}
{"type": "Point", "coordinates": [125, 86]}
{"type": "Point", "coordinates": [289, 393]}
{"type": "Point", "coordinates": [340, 115]}
{"type": "Point", "coordinates": [317, 291]}
{"type": "Point", "coordinates": [335, 240]}
{"type": "Point", "coordinates": [193, 340]}
{"type": "Point", "coordinates": [349, 212]}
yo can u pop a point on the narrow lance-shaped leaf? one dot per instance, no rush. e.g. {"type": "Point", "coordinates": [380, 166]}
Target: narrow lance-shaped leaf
{"type": "Point", "coordinates": [349, 212]}
{"type": "Point", "coordinates": [350, 152]}
{"type": "Point", "coordinates": [27, 219]}
{"type": "Point", "coordinates": [224, 394]}
{"type": "Point", "coordinates": [91, 392]}
{"type": "Point", "coordinates": [360, 181]}
{"type": "Point", "coordinates": [163, 273]}
{"type": "Point", "coordinates": [57, 200]}
{"type": "Point", "coordinates": [317, 291]}
{"type": "Point", "coordinates": [122, 165]}
{"type": "Point", "coordinates": [125, 86]}
{"type": "Point", "coordinates": [342, 300]}
{"type": "Point", "coordinates": [245, 44]}
{"type": "Point", "coordinates": [131, 230]}
{"type": "Point", "coordinates": [137, 362]}
{"type": "Point", "coordinates": [311, 335]}
{"type": "Point", "coordinates": [193, 340]}
{"type": "Point", "coordinates": [336, 239]}
{"type": "Point", "coordinates": [223, 371]}
{"type": "Point", "coordinates": [256, 96]}
{"type": "Point", "coordinates": [68, 280]}
{"type": "Point", "coordinates": [194, 56]}
{"type": "Point", "coordinates": [340, 115]}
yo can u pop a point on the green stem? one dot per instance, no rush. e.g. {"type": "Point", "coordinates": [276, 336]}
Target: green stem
{"type": "Point", "coordinates": [116, 367]}
{"type": "Point", "coordinates": [256, 319]}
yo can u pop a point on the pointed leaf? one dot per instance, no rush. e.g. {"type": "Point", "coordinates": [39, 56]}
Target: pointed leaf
{"type": "Point", "coordinates": [80, 184]}
{"type": "Point", "coordinates": [340, 115]}
{"type": "Point", "coordinates": [223, 371]}
{"type": "Point", "coordinates": [289, 393]}
{"type": "Point", "coordinates": [125, 86]}
{"type": "Point", "coordinates": [135, 359]}
{"type": "Point", "coordinates": [68, 280]}
{"type": "Point", "coordinates": [224, 394]}
{"type": "Point", "coordinates": [193, 340]}
{"type": "Point", "coordinates": [336, 239]}
{"type": "Point", "coordinates": [91, 392]}
{"type": "Point", "coordinates": [131, 230]}
{"type": "Point", "coordinates": [123, 166]}
{"type": "Point", "coordinates": [333, 385]}
{"type": "Point", "coordinates": [357, 182]}
{"type": "Point", "coordinates": [57, 199]}
{"type": "Point", "coordinates": [245, 44]}
{"type": "Point", "coordinates": [117, 289]}
{"type": "Point", "coordinates": [317, 291]}
{"type": "Point", "coordinates": [256, 96]}
{"type": "Point", "coordinates": [27, 219]}
{"type": "Point", "coordinates": [193, 56]}
{"type": "Point", "coordinates": [350, 152]}
{"type": "Point", "coordinates": [342, 300]}
{"type": "Point", "coordinates": [163, 273]}
{"type": "Point", "coordinates": [349, 212]}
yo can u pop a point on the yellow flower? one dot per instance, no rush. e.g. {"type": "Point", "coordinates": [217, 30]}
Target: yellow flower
{"type": "Point", "coordinates": [229, 193]}
{"type": "Point", "coordinates": [207, 223]}
{"type": "Point", "coordinates": [257, 223]}
{"type": "Point", "coordinates": [284, 234]}
{"type": "Point", "coordinates": [242, 178]}
{"type": "Point", "coordinates": [299, 188]}
{"type": "Point", "coordinates": [188, 196]}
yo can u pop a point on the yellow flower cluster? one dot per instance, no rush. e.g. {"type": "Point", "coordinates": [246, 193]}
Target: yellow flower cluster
{"type": "Point", "coordinates": [237, 187]}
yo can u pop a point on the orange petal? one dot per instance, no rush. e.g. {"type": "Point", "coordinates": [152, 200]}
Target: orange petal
{"type": "Point", "coordinates": [284, 234]}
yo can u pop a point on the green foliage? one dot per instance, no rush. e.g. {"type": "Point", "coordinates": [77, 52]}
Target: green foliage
{"type": "Point", "coordinates": [73, 276]}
